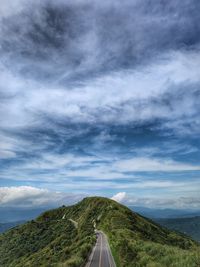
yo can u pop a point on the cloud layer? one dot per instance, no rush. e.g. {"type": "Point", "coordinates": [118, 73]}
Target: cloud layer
{"type": "Point", "coordinates": [93, 92]}
{"type": "Point", "coordinates": [100, 71]}
{"type": "Point", "coordinates": [32, 197]}
{"type": "Point", "coordinates": [27, 196]}
{"type": "Point", "coordinates": [160, 203]}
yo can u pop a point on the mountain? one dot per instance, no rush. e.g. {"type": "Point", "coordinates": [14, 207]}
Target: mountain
{"type": "Point", "coordinates": [189, 226]}
{"type": "Point", "coordinates": [65, 237]}
{"type": "Point", "coordinates": [11, 214]}
{"type": "Point", "coordinates": [165, 213]}
{"type": "Point", "coordinates": [5, 226]}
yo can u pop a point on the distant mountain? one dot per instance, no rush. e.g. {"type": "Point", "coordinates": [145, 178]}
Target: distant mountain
{"type": "Point", "coordinates": [189, 226]}
{"type": "Point", "coordinates": [10, 214]}
{"type": "Point", "coordinates": [6, 226]}
{"type": "Point", "coordinates": [65, 237]}
{"type": "Point", "coordinates": [165, 213]}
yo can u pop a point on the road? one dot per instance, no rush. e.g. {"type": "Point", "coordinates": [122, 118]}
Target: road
{"type": "Point", "coordinates": [101, 255]}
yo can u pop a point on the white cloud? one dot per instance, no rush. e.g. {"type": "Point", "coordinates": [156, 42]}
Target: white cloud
{"type": "Point", "coordinates": [162, 203]}
{"type": "Point", "coordinates": [67, 168]}
{"type": "Point", "coordinates": [119, 97]}
{"type": "Point", "coordinates": [6, 154]}
{"type": "Point", "coordinates": [181, 202]}
{"type": "Point", "coordinates": [119, 197]}
{"type": "Point", "coordinates": [152, 164]}
{"type": "Point", "coordinates": [166, 89]}
{"type": "Point", "coordinates": [57, 161]}
{"type": "Point", "coordinates": [10, 145]}
{"type": "Point", "coordinates": [28, 196]}
{"type": "Point", "coordinates": [9, 7]}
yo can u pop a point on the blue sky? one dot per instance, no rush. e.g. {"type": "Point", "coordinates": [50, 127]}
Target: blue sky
{"type": "Point", "coordinates": [100, 99]}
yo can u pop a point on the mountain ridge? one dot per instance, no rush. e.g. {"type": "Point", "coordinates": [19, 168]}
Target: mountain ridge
{"type": "Point", "coordinates": [52, 239]}
{"type": "Point", "coordinates": [190, 226]}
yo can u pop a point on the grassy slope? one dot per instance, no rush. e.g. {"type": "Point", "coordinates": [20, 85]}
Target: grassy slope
{"type": "Point", "coordinates": [135, 241]}
{"type": "Point", "coordinates": [6, 226]}
{"type": "Point", "coordinates": [48, 241]}
{"type": "Point", "coordinates": [190, 226]}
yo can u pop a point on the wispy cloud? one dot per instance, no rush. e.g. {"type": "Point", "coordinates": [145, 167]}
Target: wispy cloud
{"type": "Point", "coordinates": [152, 164]}
{"type": "Point", "coordinates": [156, 202]}
{"type": "Point", "coordinates": [175, 203]}
{"type": "Point", "coordinates": [84, 99]}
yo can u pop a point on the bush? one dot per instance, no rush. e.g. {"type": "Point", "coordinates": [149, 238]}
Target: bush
{"type": "Point", "coordinates": [74, 262]}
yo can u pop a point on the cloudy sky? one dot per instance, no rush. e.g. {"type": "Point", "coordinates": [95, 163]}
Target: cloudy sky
{"type": "Point", "coordinates": [100, 98]}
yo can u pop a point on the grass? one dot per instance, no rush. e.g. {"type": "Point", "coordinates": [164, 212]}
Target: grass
{"type": "Point", "coordinates": [47, 241]}
{"type": "Point", "coordinates": [135, 241]}
{"type": "Point", "coordinates": [190, 226]}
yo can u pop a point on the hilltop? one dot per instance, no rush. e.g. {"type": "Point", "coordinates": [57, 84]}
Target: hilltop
{"type": "Point", "coordinates": [65, 236]}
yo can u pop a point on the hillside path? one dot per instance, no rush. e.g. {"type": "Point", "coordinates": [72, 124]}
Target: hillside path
{"type": "Point", "coordinates": [101, 255]}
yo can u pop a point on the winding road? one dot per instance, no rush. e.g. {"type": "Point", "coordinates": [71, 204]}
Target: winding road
{"type": "Point", "coordinates": [101, 255]}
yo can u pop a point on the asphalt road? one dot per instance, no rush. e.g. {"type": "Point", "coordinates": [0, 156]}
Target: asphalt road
{"type": "Point", "coordinates": [101, 255]}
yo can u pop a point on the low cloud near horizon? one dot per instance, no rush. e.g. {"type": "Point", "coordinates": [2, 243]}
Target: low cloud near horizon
{"type": "Point", "coordinates": [32, 197]}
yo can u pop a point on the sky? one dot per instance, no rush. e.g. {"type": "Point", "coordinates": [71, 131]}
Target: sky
{"type": "Point", "coordinates": [100, 98]}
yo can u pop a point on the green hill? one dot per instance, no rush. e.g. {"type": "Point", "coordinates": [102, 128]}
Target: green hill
{"type": "Point", "coordinates": [65, 236]}
{"type": "Point", "coordinates": [189, 226]}
{"type": "Point", "coordinates": [6, 226]}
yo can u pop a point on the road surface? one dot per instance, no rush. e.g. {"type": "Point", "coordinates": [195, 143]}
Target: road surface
{"type": "Point", "coordinates": [101, 255]}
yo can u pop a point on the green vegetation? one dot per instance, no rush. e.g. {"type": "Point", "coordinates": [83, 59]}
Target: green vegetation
{"type": "Point", "coordinates": [189, 226]}
{"type": "Point", "coordinates": [49, 240]}
{"type": "Point", "coordinates": [137, 241]}
{"type": "Point", "coordinates": [6, 226]}
{"type": "Point", "coordinates": [63, 237]}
